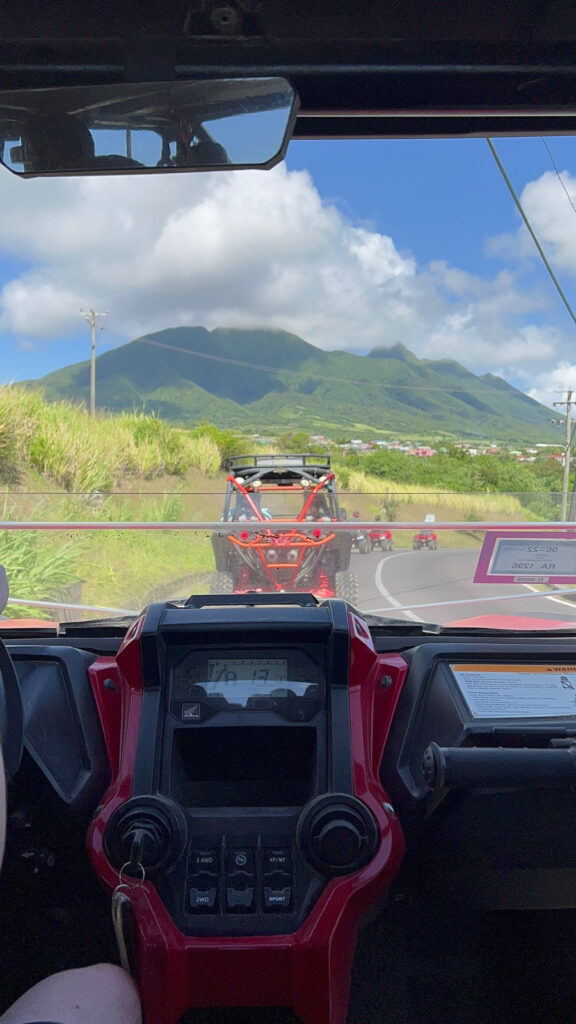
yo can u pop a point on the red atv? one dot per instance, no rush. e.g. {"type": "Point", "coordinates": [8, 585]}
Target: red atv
{"type": "Point", "coordinates": [425, 539]}
{"type": "Point", "coordinates": [303, 553]}
{"type": "Point", "coordinates": [380, 538]}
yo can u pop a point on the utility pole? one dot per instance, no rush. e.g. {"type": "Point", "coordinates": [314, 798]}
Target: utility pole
{"type": "Point", "coordinates": [569, 401]}
{"type": "Point", "coordinates": [91, 317]}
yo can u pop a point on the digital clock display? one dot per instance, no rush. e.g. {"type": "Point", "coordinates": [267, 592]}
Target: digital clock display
{"type": "Point", "coordinates": [232, 670]}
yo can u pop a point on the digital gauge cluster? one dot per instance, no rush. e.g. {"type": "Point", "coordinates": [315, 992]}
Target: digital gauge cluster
{"type": "Point", "coordinates": [204, 682]}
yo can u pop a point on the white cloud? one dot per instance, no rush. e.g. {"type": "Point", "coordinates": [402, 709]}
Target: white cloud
{"type": "Point", "coordinates": [253, 248]}
{"type": "Point", "coordinates": [552, 386]}
{"type": "Point", "coordinates": [553, 218]}
{"type": "Point", "coordinates": [36, 307]}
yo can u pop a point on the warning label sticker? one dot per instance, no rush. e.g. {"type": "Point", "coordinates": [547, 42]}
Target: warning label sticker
{"type": "Point", "coordinates": [518, 691]}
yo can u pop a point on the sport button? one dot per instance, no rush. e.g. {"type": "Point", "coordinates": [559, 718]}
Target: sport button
{"type": "Point", "coordinates": [277, 899]}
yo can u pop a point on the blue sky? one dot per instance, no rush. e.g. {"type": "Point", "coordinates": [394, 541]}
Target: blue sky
{"type": "Point", "coordinates": [350, 244]}
{"type": "Point", "coordinates": [441, 199]}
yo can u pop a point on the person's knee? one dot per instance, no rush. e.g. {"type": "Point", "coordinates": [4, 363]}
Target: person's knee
{"type": "Point", "coordinates": [100, 994]}
{"type": "Point", "coordinates": [106, 988]}
{"type": "Point", "coordinates": [108, 978]}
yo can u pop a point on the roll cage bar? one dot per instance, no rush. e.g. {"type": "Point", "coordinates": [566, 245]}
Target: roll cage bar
{"type": "Point", "coordinates": [251, 474]}
{"type": "Point", "coordinates": [375, 69]}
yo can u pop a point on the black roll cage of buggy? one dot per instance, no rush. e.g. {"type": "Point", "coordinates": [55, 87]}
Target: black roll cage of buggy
{"type": "Point", "coordinates": [249, 473]}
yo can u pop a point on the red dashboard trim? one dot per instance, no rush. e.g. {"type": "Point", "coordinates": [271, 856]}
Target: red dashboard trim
{"type": "Point", "coordinates": [308, 970]}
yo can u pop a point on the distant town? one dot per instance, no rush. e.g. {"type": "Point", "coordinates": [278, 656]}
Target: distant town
{"type": "Point", "coordinates": [421, 450]}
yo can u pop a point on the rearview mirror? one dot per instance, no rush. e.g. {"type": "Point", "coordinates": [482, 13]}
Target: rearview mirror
{"type": "Point", "coordinates": [211, 125]}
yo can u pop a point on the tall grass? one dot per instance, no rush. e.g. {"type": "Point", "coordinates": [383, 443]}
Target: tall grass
{"type": "Point", "coordinates": [205, 455]}
{"type": "Point", "coordinates": [81, 453]}
{"type": "Point", "coordinates": [469, 506]}
{"type": "Point", "coordinates": [38, 568]}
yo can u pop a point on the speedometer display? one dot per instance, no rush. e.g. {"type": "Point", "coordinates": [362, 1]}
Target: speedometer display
{"type": "Point", "coordinates": [254, 682]}
{"type": "Point", "coordinates": [236, 680]}
{"type": "Point", "coordinates": [254, 669]}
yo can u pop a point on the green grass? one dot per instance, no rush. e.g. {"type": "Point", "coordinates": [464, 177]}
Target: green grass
{"type": "Point", "coordinates": [123, 569]}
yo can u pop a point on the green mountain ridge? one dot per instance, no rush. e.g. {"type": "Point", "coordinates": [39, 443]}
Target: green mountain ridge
{"type": "Point", "coordinates": [269, 380]}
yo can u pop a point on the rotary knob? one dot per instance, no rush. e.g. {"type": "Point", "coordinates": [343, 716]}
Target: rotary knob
{"type": "Point", "coordinates": [338, 842]}
{"type": "Point", "coordinates": [337, 834]}
{"type": "Point", "coordinates": [146, 832]}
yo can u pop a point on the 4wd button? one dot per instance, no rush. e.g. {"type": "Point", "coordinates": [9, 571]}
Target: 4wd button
{"type": "Point", "coordinates": [277, 899]}
{"type": "Point", "coordinates": [204, 860]}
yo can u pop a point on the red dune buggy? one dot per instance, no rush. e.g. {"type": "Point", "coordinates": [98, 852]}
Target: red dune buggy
{"type": "Point", "coordinates": [294, 498]}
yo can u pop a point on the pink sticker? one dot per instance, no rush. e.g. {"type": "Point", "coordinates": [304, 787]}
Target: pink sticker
{"type": "Point", "coordinates": [521, 556]}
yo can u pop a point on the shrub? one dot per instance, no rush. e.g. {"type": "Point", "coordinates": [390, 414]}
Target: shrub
{"type": "Point", "coordinates": [227, 442]}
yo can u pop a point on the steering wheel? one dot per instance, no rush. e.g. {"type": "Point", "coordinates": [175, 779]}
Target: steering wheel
{"type": "Point", "coordinates": [11, 713]}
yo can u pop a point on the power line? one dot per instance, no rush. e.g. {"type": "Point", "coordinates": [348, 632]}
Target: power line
{"type": "Point", "coordinates": [320, 377]}
{"type": "Point", "coordinates": [531, 231]}
{"type": "Point", "coordinates": [559, 176]}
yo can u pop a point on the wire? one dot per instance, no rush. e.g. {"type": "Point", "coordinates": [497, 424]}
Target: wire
{"type": "Point", "coordinates": [558, 175]}
{"type": "Point", "coordinates": [520, 209]}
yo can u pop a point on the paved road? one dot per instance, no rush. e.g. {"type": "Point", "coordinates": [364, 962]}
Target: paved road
{"type": "Point", "coordinates": [406, 579]}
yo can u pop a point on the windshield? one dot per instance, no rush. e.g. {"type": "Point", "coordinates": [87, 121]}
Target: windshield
{"type": "Point", "coordinates": [351, 375]}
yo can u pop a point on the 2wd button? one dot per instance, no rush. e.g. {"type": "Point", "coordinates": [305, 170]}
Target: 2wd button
{"type": "Point", "coordinates": [202, 899]}
{"type": "Point", "coordinates": [277, 899]}
{"type": "Point", "coordinates": [240, 899]}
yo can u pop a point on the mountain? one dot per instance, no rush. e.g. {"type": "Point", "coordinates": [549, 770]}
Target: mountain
{"type": "Point", "coordinates": [267, 380]}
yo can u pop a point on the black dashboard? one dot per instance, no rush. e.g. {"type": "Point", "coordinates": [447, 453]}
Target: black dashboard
{"type": "Point", "coordinates": [471, 692]}
{"type": "Point", "coordinates": [233, 749]}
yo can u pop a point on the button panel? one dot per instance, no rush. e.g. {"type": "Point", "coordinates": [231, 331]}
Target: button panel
{"type": "Point", "coordinates": [277, 879]}
{"type": "Point", "coordinates": [234, 879]}
{"type": "Point", "coordinates": [202, 887]}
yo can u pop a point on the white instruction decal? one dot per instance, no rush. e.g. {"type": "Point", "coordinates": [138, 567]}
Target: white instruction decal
{"type": "Point", "coordinates": [518, 691]}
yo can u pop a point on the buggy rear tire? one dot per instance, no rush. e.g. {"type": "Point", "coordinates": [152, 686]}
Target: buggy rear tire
{"type": "Point", "coordinates": [347, 587]}
{"type": "Point", "coordinates": [222, 583]}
